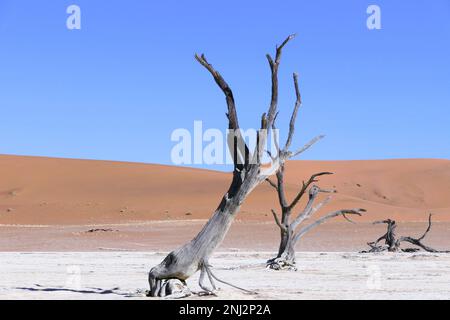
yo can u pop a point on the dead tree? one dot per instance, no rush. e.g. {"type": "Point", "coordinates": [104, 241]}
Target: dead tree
{"type": "Point", "coordinates": [290, 231]}
{"type": "Point", "coordinates": [392, 243]}
{"type": "Point", "coordinates": [248, 172]}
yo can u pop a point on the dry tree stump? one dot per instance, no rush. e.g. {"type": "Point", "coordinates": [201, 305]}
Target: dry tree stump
{"type": "Point", "coordinates": [392, 243]}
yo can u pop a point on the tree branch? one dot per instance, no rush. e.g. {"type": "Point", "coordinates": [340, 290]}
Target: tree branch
{"type": "Point", "coordinates": [277, 221]}
{"type": "Point", "coordinates": [343, 212]}
{"type": "Point", "coordinates": [387, 221]}
{"type": "Point", "coordinates": [272, 183]}
{"type": "Point", "coordinates": [274, 69]}
{"type": "Point", "coordinates": [223, 85]}
{"type": "Point", "coordinates": [306, 146]}
{"type": "Point", "coordinates": [428, 229]}
{"type": "Point", "coordinates": [418, 242]}
{"type": "Point", "coordinates": [237, 146]}
{"type": "Point", "coordinates": [297, 105]}
{"type": "Point", "coordinates": [305, 186]}
{"type": "Point", "coordinates": [280, 187]}
{"type": "Point", "coordinates": [311, 211]}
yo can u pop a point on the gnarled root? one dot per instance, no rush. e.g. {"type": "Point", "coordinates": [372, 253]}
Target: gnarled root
{"type": "Point", "coordinates": [167, 279]}
{"type": "Point", "coordinates": [281, 264]}
{"type": "Point", "coordinates": [164, 282]}
{"type": "Point", "coordinates": [171, 289]}
{"type": "Point", "coordinates": [213, 276]}
{"type": "Point", "coordinates": [374, 248]}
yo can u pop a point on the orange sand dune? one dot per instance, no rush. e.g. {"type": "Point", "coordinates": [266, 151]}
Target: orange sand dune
{"type": "Point", "coordinates": [35, 190]}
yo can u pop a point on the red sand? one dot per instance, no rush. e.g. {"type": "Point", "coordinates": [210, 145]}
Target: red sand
{"type": "Point", "coordinates": [50, 191]}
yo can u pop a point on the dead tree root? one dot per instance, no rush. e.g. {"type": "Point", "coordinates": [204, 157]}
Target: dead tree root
{"type": "Point", "coordinates": [281, 264]}
{"type": "Point", "coordinates": [171, 289]}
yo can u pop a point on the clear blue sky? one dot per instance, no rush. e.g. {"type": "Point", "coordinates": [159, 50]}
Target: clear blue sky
{"type": "Point", "coordinates": [118, 87]}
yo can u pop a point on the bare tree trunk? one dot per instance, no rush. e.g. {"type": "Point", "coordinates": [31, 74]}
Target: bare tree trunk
{"type": "Point", "coordinates": [286, 251]}
{"type": "Point", "coordinates": [168, 278]}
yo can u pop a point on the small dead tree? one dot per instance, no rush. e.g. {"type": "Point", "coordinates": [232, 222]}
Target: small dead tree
{"type": "Point", "coordinates": [392, 242]}
{"type": "Point", "coordinates": [290, 231]}
{"type": "Point", "coordinates": [168, 277]}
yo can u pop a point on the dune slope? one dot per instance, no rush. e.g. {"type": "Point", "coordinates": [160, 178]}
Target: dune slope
{"type": "Point", "coordinates": [43, 191]}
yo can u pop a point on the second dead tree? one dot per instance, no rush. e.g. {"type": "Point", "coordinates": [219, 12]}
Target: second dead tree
{"type": "Point", "coordinates": [290, 230]}
{"type": "Point", "coordinates": [289, 226]}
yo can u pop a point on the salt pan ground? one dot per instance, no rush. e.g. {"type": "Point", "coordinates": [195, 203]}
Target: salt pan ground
{"type": "Point", "coordinates": [321, 275]}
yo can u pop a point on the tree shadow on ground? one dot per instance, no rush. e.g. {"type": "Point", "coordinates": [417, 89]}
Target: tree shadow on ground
{"type": "Point", "coordinates": [90, 290]}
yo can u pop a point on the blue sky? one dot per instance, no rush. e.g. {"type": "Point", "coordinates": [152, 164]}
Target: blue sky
{"type": "Point", "coordinates": [117, 88]}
